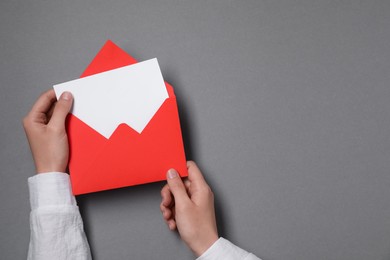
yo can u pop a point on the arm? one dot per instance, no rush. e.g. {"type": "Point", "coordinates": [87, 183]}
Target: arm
{"type": "Point", "coordinates": [189, 207]}
{"type": "Point", "coordinates": [55, 222]}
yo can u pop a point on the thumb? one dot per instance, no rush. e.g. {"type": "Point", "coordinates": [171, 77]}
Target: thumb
{"type": "Point", "coordinates": [61, 109]}
{"type": "Point", "coordinates": [176, 186]}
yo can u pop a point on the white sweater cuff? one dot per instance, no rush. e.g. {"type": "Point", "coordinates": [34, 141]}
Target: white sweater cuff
{"type": "Point", "coordinates": [223, 249]}
{"type": "Point", "coordinates": [50, 189]}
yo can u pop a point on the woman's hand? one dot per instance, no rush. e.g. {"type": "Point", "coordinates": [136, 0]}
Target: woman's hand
{"type": "Point", "coordinates": [45, 129]}
{"type": "Point", "coordinates": [189, 208]}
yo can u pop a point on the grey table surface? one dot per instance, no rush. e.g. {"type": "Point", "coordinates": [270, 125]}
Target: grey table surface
{"type": "Point", "coordinates": [285, 105]}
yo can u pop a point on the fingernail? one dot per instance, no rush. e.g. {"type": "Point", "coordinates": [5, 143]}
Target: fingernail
{"type": "Point", "coordinates": [171, 226]}
{"type": "Point", "coordinates": [66, 96]}
{"type": "Point", "coordinates": [172, 173]}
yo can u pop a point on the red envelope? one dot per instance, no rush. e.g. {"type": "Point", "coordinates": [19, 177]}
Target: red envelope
{"type": "Point", "coordinates": [127, 158]}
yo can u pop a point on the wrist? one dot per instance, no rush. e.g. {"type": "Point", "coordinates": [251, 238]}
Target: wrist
{"type": "Point", "coordinates": [49, 168]}
{"type": "Point", "coordinates": [203, 245]}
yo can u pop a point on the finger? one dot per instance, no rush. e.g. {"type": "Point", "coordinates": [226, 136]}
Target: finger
{"type": "Point", "coordinates": [166, 212]}
{"type": "Point", "coordinates": [194, 174]}
{"type": "Point", "coordinates": [176, 186]}
{"type": "Point", "coordinates": [50, 112]}
{"type": "Point", "coordinates": [61, 110]}
{"type": "Point", "coordinates": [44, 102]}
{"type": "Point", "coordinates": [166, 196]}
{"type": "Point", "coordinates": [187, 183]}
{"type": "Point", "coordinates": [171, 224]}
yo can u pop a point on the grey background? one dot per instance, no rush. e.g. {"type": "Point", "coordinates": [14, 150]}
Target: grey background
{"type": "Point", "coordinates": [284, 105]}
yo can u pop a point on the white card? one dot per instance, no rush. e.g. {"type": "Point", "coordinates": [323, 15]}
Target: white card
{"type": "Point", "coordinates": [130, 95]}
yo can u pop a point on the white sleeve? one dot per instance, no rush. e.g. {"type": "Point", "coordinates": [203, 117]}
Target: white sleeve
{"type": "Point", "coordinates": [55, 222]}
{"type": "Point", "coordinates": [222, 249]}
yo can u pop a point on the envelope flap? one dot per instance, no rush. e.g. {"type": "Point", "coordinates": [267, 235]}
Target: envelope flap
{"type": "Point", "coordinates": [109, 57]}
